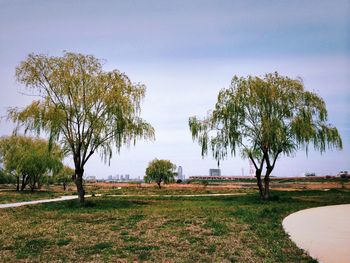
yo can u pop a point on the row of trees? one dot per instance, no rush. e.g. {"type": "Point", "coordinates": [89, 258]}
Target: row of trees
{"type": "Point", "coordinates": [29, 162]}
{"type": "Point", "coordinates": [88, 110]}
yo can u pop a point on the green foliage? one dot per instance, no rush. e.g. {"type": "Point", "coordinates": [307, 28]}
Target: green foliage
{"type": "Point", "coordinates": [263, 118]}
{"type": "Point", "coordinates": [64, 176]}
{"type": "Point", "coordinates": [29, 158]}
{"type": "Point", "coordinates": [82, 106]}
{"type": "Point", "coordinates": [6, 178]}
{"type": "Point", "coordinates": [273, 113]}
{"type": "Point", "coordinates": [160, 171]}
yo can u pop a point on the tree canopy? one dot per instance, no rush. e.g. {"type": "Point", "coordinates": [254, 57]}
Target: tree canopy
{"type": "Point", "coordinates": [264, 118]}
{"type": "Point", "coordinates": [82, 106]}
{"type": "Point", "coordinates": [160, 171]}
{"type": "Point", "coordinates": [29, 159]}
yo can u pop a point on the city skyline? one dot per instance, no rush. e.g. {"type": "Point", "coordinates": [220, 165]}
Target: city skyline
{"type": "Point", "coordinates": [185, 52]}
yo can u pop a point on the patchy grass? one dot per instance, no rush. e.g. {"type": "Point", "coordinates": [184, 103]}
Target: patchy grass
{"type": "Point", "coordinates": [181, 190]}
{"type": "Point", "coordinates": [11, 196]}
{"type": "Point", "coordinates": [157, 229]}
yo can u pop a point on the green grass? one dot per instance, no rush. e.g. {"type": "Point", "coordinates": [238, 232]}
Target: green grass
{"type": "Point", "coordinates": [12, 196]}
{"type": "Point", "coordinates": [167, 191]}
{"type": "Point", "coordinates": [159, 229]}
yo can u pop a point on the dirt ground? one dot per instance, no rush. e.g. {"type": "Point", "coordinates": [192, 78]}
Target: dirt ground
{"type": "Point", "coordinates": [275, 185]}
{"type": "Point", "coordinates": [235, 185]}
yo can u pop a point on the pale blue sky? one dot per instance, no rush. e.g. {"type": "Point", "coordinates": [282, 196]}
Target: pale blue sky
{"type": "Point", "coordinates": [185, 52]}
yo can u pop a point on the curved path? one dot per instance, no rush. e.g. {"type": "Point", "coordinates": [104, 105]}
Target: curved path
{"type": "Point", "coordinates": [70, 197]}
{"type": "Point", "coordinates": [324, 232]}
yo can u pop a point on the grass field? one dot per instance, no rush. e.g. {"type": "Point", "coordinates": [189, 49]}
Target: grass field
{"type": "Point", "coordinates": [11, 196]}
{"type": "Point", "coordinates": [159, 229]}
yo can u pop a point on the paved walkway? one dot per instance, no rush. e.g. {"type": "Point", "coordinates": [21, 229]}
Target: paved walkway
{"type": "Point", "coordinates": [70, 197]}
{"type": "Point", "coordinates": [62, 198]}
{"type": "Point", "coordinates": [324, 232]}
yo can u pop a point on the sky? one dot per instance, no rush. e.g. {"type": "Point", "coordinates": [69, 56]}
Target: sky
{"type": "Point", "coordinates": [185, 52]}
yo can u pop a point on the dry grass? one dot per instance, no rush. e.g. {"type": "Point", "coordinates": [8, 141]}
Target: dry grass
{"type": "Point", "coordinates": [158, 229]}
{"type": "Point", "coordinates": [206, 229]}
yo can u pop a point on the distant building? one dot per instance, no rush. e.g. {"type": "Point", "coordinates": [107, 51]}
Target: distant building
{"type": "Point", "coordinates": [127, 177]}
{"type": "Point", "coordinates": [214, 172]}
{"type": "Point", "coordinates": [90, 179]}
{"type": "Point", "coordinates": [343, 174]}
{"type": "Point", "coordinates": [180, 175]}
{"type": "Point", "coordinates": [116, 177]}
{"type": "Point", "coordinates": [310, 174]}
{"type": "Point", "coordinates": [222, 178]}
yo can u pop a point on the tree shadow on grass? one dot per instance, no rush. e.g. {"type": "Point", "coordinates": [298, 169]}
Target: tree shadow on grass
{"type": "Point", "coordinates": [97, 204]}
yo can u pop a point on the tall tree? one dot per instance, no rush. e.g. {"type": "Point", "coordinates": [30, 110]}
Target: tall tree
{"type": "Point", "coordinates": [160, 171]}
{"type": "Point", "coordinates": [29, 159]}
{"type": "Point", "coordinates": [264, 118]}
{"type": "Point", "coordinates": [83, 107]}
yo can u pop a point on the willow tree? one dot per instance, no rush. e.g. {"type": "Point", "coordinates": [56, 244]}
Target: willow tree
{"type": "Point", "coordinates": [82, 106]}
{"type": "Point", "coordinates": [264, 118]}
{"type": "Point", "coordinates": [29, 159]}
{"type": "Point", "coordinates": [160, 171]}
{"type": "Point", "coordinates": [64, 176]}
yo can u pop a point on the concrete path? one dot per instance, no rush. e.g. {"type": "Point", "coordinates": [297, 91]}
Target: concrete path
{"type": "Point", "coordinates": [70, 197]}
{"type": "Point", "coordinates": [62, 198]}
{"type": "Point", "coordinates": [324, 232]}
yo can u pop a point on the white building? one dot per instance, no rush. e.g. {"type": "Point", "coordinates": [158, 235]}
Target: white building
{"type": "Point", "coordinates": [214, 172]}
{"type": "Point", "coordinates": [180, 175]}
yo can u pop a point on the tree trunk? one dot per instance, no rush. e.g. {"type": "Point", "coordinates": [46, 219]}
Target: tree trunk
{"type": "Point", "coordinates": [24, 181]}
{"type": "Point", "coordinates": [260, 185]}
{"type": "Point", "coordinates": [267, 187]}
{"type": "Point", "coordinates": [269, 168]}
{"type": "Point", "coordinates": [267, 184]}
{"type": "Point", "coordinates": [32, 183]}
{"type": "Point", "coordinates": [17, 186]}
{"type": "Point", "coordinates": [39, 183]}
{"type": "Point", "coordinates": [78, 180]}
